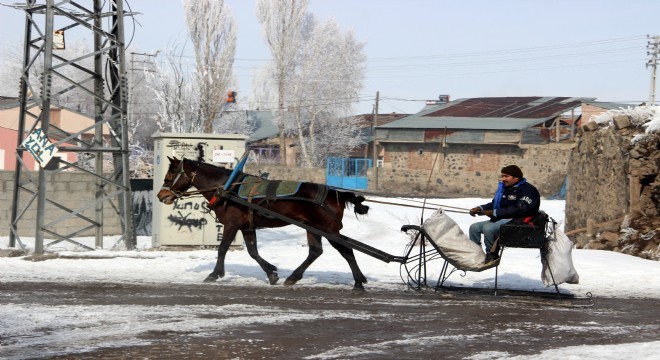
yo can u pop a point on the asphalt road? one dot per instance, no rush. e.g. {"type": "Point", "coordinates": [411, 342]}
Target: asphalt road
{"type": "Point", "coordinates": [376, 324]}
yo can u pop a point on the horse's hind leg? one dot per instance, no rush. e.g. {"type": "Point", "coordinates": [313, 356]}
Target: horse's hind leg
{"type": "Point", "coordinates": [228, 235]}
{"type": "Point", "coordinates": [348, 254]}
{"type": "Point", "coordinates": [315, 250]}
{"type": "Point", "coordinates": [250, 238]}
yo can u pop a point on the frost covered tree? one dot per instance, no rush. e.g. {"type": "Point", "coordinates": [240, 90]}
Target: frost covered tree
{"type": "Point", "coordinates": [324, 86]}
{"type": "Point", "coordinates": [212, 30]}
{"type": "Point", "coordinates": [316, 74]}
{"type": "Point", "coordinates": [190, 101]}
{"type": "Point", "coordinates": [173, 91]}
{"type": "Point", "coordinates": [283, 24]}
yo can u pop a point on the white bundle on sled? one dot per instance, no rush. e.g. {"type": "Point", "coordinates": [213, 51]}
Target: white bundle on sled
{"type": "Point", "coordinates": [457, 248]}
{"type": "Point", "coordinates": [559, 260]}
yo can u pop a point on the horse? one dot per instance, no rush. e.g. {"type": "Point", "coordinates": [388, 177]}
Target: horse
{"type": "Point", "coordinates": [316, 205]}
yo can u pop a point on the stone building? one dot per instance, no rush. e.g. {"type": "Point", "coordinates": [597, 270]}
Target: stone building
{"type": "Point", "coordinates": [458, 148]}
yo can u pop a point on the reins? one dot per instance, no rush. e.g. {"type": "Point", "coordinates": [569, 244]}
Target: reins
{"type": "Point", "coordinates": [457, 209]}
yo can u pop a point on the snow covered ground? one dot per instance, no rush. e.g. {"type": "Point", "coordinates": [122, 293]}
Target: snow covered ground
{"type": "Point", "coordinates": [605, 274]}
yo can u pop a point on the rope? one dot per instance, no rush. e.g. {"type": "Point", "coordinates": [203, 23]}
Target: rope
{"type": "Point", "coordinates": [460, 210]}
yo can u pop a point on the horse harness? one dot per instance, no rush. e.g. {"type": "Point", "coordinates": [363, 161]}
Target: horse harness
{"type": "Point", "coordinates": [268, 196]}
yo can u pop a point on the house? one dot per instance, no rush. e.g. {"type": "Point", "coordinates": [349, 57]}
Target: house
{"type": "Point", "coordinates": [459, 147]}
{"type": "Point", "coordinates": [63, 122]}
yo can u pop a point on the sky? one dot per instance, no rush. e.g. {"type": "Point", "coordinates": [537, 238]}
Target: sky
{"type": "Point", "coordinates": [420, 49]}
{"type": "Point", "coordinates": [285, 248]}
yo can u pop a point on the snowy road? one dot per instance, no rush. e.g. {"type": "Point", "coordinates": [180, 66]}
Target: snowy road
{"type": "Point", "coordinates": [202, 321]}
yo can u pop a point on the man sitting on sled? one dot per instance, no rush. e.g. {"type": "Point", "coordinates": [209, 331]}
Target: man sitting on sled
{"type": "Point", "coordinates": [515, 198]}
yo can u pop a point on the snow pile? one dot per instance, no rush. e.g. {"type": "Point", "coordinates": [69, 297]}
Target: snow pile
{"type": "Point", "coordinates": [645, 116]}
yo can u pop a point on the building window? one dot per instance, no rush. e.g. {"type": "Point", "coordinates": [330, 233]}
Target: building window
{"type": "Point", "coordinates": [477, 153]}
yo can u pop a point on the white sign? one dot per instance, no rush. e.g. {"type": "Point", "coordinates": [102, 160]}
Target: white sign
{"type": "Point", "coordinates": [223, 156]}
{"type": "Point", "coordinates": [40, 147]}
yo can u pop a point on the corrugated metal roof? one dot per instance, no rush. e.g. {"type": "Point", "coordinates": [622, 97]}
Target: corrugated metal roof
{"type": "Point", "coordinates": [503, 113]}
{"type": "Point", "coordinates": [463, 123]}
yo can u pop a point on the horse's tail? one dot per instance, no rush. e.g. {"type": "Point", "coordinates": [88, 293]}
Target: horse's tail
{"type": "Point", "coordinates": [356, 200]}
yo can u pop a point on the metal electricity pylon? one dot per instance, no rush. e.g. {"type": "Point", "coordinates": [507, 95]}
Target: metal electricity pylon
{"type": "Point", "coordinates": [96, 77]}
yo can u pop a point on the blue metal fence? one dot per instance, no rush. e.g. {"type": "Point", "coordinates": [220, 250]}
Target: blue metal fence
{"type": "Point", "coordinates": [348, 173]}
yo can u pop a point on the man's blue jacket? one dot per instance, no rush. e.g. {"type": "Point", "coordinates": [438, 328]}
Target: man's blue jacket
{"type": "Point", "coordinates": [519, 200]}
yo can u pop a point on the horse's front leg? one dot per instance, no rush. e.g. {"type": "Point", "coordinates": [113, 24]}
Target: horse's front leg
{"type": "Point", "coordinates": [228, 235]}
{"type": "Point", "coordinates": [250, 237]}
{"type": "Point", "coordinates": [315, 250]}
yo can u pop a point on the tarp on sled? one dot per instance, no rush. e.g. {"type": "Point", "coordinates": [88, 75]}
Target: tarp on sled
{"type": "Point", "coordinates": [456, 248]}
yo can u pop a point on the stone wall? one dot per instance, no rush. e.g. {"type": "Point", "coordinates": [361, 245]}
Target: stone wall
{"type": "Point", "coordinates": [613, 194]}
{"type": "Point", "coordinates": [74, 190]}
{"type": "Point", "coordinates": [278, 172]}
{"type": "Point", "coordinates": [469, 170]}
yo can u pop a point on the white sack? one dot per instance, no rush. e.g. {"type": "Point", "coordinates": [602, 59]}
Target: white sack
{"type": "Point", "coordinates": [458, 249]}
{"type": "Point", "coordinates": [559, 260]}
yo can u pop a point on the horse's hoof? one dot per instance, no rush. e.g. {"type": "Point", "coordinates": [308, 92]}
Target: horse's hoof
{"type": "Point", "coordinates": [273, 278]}
{"type": "Point", "coordinates": [210, 278]}
{"type": "Point", "coordinates": [358, 290]}
{"type": "Point", "coordinates": [290, 282]}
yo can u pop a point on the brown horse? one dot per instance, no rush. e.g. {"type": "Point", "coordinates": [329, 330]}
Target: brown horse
{"type": "Point", "coordinates": [314, 205]}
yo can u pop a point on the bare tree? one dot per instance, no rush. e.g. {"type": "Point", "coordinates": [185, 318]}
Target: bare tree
{"type": "Point", "coordinates": [174, 93]}
{"type": "Point", "coordinates": [213, 34]}
{"type": "Point", "coordinates": [283, 23]}
{"type": "Point", "coordinates": [325, 85]}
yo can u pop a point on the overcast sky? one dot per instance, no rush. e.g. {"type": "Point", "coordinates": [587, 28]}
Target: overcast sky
{"type": "Point", "coordinates": [420, 49]}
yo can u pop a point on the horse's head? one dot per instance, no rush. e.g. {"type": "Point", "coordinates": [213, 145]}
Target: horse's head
{"type": "Point", "coordinates": [178, 179]}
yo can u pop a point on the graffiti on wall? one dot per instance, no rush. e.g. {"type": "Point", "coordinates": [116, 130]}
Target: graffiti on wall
{"type": "Point", "coordinates": [189, 214]}
{"type": "Point", "coordinates": [182, 149]}
{"type": "Point", "coordinates": [185, 220]}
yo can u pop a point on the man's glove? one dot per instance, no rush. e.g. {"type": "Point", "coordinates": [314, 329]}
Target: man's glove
{"type": "Point", "coordinates": [474, 211]}
{"type": "Point", "coordinates": [488, 213]}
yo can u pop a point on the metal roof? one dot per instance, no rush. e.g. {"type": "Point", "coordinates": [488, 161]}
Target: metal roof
{"type": "Point", "coordinates": [501, 113]}
{"type": "Point", "coordinates": [262, 122]}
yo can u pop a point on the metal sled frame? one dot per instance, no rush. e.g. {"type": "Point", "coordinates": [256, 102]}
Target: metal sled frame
{"type": "Point", "coordinates": [415, 266]}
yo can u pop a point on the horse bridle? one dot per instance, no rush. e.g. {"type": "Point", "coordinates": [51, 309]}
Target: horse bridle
{"type": "Point", "coordinates": [179, 173]}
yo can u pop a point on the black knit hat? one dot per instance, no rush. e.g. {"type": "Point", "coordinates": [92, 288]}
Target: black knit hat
{"type": "Point", "coordinates": [512, 170]}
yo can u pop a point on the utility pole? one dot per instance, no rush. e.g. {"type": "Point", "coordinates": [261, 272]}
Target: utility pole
{"type": "Point", "coordinates": [653, 47]}
{"type": "Point", "coordinates": [375, 143]}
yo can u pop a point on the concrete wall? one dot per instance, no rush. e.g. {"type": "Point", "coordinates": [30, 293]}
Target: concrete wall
{"type": "Point", "coordinates": [74, 190]}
